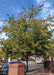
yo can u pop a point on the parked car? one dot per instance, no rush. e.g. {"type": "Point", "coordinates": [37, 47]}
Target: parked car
{"type": "Point", "coordinates": [31, 58]}
{"type": "Point", "coordinates": [2, 62]}
{"type": "Point", "coordinates": [38, 61]}
{"type": "Point", "coordinates": [4, 68]}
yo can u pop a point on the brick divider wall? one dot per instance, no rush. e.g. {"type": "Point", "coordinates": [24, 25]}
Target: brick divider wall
{"type": "Point", "coordinates": [16, 69]}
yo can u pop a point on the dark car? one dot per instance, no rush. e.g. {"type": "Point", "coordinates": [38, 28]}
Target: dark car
{"type": "Point", "coordinates": [4, 68]}
{"type": "Point", "coordinates": [2, 62]}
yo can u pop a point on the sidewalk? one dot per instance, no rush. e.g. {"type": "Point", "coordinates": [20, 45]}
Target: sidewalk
{"type": "Point", "coordinates": [43, 72]}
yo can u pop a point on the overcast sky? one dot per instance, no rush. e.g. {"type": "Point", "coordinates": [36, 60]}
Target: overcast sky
{"type": "Point", "coordinates": [14, 7]}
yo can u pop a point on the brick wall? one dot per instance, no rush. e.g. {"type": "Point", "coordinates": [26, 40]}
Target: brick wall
{"type": "Point", "coordinates": [16, 69]}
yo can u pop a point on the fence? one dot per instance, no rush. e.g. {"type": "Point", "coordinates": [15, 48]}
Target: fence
{"type": "Point", "coordinates": [40, 70]}
{"type": "Point", "coordinates": [33, 66]}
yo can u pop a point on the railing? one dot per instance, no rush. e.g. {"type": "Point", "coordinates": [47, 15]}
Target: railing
{"type": "Point", "coordinates": [38, 67]}
{"type": "Point", "coordinates": [32, 66]}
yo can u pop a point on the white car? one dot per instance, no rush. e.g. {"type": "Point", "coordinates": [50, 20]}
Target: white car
{"type": "Point", "coordinates": [38, 61]}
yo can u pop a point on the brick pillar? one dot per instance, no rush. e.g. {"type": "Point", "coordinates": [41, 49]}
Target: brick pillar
{"type": "Point", "coordinates": [50, 62]}
{"type": "Point", "coordinates": [16, 69]}
{"type": "Point", "coordinates": [49, 65]}
{"type": "Point", "coordinates": [50, 58]}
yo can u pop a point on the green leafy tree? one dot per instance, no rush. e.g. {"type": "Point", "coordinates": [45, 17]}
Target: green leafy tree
{"type": "Point", "coordinates": [27, 35]}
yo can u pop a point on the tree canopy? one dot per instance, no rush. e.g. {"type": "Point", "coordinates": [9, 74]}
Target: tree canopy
{"type": "Point", "coordinates": [27, 35]}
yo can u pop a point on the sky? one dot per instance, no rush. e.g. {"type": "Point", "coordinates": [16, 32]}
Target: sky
{"type": "Point", "coordinates": [15, 7]}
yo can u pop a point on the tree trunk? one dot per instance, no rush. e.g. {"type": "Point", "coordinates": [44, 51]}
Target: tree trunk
{"type": "Point", "coordinates": [27, 64]}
